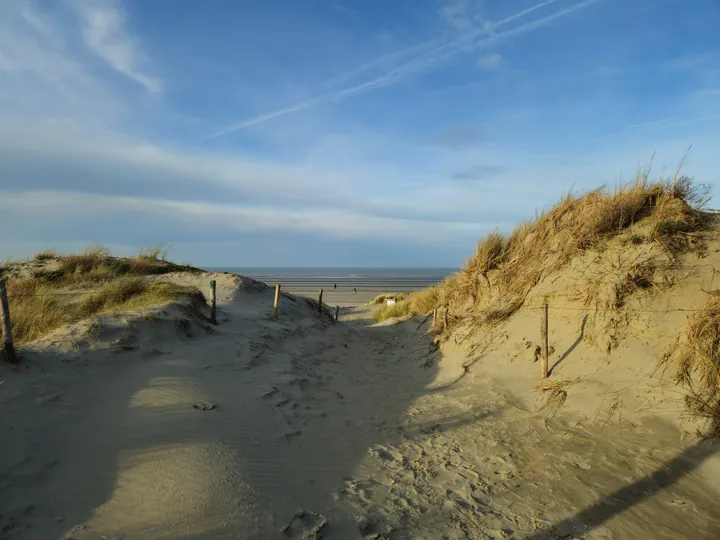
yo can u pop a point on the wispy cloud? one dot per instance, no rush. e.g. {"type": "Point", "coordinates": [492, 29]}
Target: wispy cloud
{"type": "Point", "coordinates": [41, 75]}
{"type": "Point", "coordinates": [106, 36]}
{"type": "Point", "coordinates": [44, 156]}
{"type": "Point", "coordinates": [669, 122]}
{"type": "Point", "coordinates": [102, 209]}
{"type": "Point", "coordinates": [429, 60]}
{"type": "Point", "coordinates": [491, 61]}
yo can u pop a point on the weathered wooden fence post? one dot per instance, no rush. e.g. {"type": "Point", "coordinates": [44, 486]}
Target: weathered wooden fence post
{"type": "Point", "coordinates": [277, 301]}
{"type": "Point", "coordinates": [337, 313]}
{"type": "Point", "coordinates": [213, 304]}
{"type": "Point", "coordinates": [544, 341]}
{"type": "Point", "coordinates": [8, 345]}
{"type": "Point", "coordinates": [320, 301]}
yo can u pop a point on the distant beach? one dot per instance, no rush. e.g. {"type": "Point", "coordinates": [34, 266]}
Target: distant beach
{"type": "Point", "coordinates": [345, 287]}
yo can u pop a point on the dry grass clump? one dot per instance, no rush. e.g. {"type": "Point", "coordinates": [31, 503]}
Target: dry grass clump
{"type": "Point", "coordinates": [697, 363]}
{"type": "Point", "coordinates": [616, 278]}
{"type": "Point", "coordinates": [46, 255]}
{"type": "Point", "coordinates": [473, 280]}
{"type": "Point", "coordinates": [132, 292]}
{"type": "Point", "coordinates": [496, 280]}
{"type": "Point", "coordinates": [675, 219]}
{"type": "Point", "coordinates": [556, 392]}
{"type": "Point", "coordinates": [115, 293]}
{"type": "Point", "coordinates": [154, 253]}
{"type": "Point", "coordinates": [33, 310]}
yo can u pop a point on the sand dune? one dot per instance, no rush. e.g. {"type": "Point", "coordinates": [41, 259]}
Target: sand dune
{"type": "Point", "coordinates": [164, 427]}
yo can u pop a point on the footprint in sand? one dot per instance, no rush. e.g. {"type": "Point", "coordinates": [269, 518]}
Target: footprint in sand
{"type": "Point", "coordinates": [205, 406]}
{"type": "Point", "coordinates": [372, 527]}
{"type": "Point", "coordinates": [292, 434]}
{"type": "Point", "coordinates": [305, 525]}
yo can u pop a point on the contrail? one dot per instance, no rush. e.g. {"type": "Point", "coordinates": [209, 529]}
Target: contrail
{"type": "Point", "coordinates": [421, 63]}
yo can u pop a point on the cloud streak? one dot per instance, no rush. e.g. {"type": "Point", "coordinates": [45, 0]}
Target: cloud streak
{"type": "Point", "coordinates": [425, 62]}
{"type": "Point", "coordinates": [77, 208]}
{"type": "Point", "coordinates": [45, 156]}
{"type": "Point", "coordinates": [105, 36]}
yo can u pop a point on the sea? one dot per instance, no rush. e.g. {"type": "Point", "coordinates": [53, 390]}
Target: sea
{"type": "Point", "coordinates": [336, 281]}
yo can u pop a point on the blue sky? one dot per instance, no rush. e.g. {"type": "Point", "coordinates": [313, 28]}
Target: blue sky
{"type": "Point", "coordinates": [337, 132]}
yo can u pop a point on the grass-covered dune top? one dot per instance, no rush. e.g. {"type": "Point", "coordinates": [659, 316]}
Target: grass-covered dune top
{"type": "Point", "coordinates": [50, 291]}
{"type": "Point", "coordinates": [496, 280]}
{"type": "Point", "coordinates": [94, 265]}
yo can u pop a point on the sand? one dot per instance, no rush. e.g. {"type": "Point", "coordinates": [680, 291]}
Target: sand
{"type": "Point", "coordinates": [159, 426]}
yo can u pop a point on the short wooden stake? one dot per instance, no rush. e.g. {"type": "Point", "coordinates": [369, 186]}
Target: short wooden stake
{"type": "Point", "coordinates": [277, 301]}
{"type": "Point", "coordinates": [8, 345]}
{"type": "Point", "coordinates": [435, 317]}
{"type": "Point", "coordinates": [337, 313]}
{"type": "Point", "coordinates": [445, 317]}
{"type": "Point", "coordinates": [320, 302]}
{"type": "Point", "coordinates": [213, 304]}
{"type": "Point", "coordinates": [544, 341]}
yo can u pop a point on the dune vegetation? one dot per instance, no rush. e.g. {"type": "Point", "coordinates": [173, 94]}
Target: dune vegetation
{"type": "Point", "coordinates": [695, 358]}
{"type": "Point", "coordinates": [382, 298]}
{"type": "Point", "coordinates": [495, 282]}
{"type": "Point", "coordinates": [68, 288]}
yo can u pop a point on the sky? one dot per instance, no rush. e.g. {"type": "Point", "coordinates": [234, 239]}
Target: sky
{"type": "Point", "coordinates": [338, 132]}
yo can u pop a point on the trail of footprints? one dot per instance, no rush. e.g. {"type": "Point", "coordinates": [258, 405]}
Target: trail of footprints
{"type": "Point", "coordinates": [303, 391]}
{"type": "Point", "coordinates": [428, 487]}
{"type": "Point", "coordinates": [424, 485]}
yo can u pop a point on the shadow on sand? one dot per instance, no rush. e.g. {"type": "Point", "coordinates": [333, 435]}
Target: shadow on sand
{"type": "Point", "coordinates": [239, 477]}
{"type": "Point", "coordinates": [572, 347]}
{"type": "Point", "coordinates": [630, 495]}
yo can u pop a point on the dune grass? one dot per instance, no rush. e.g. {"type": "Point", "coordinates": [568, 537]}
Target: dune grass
{"type": "Point", "coordinates": [48, 254]}
{"type": "Point", "coordinates": [556, 391]}
{"type": "Point", "coordinates": [37, 308]}
{"type": "Point", "coordinates": [415, 303]}
{"type": "Point", "coordinates": [96, 265]}
{"type": "Point", "coordinates": [73, 287]}
{"type": "Point", "coordinates": [696, 359]}
{"type": "Point", "coordinates": [503, 270]}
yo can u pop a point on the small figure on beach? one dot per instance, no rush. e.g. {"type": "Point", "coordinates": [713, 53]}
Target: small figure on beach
{"type": "Point", "coordinates": [354, 290]}
{"type": "Point", "coordinates": [335, 286]}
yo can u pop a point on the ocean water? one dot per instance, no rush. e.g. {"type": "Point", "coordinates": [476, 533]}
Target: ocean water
{"type": "Point", "coordinates": [377, 279]}
{"type": "Point", "coordinates": [345, 287]}
{"type": "Point", "coordinates": [342, 273]}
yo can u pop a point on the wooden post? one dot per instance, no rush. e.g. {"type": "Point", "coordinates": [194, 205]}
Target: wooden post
{"type": "Point", "coordinates": [445, 317]}
{"type": "Point", "coordinates": [277, 301]}
{"type": "Point", "coordinates": [435, 317]}
{"type": "Point", "coordinates": [337, 313]}
{"type": "Point", "coordinates": [320, 302]}
{"type": "Point", "coordinates": [544, 341]}
{"type": "Point", "coordinates": [8, 346]}
{"type": "Point", "coordinates": [213, 305]}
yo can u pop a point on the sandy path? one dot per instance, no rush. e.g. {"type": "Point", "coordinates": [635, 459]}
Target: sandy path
{"type": "Point", "coordinates": [340, 430]}
{"type": "Point", "coordinates": [123, 453]}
